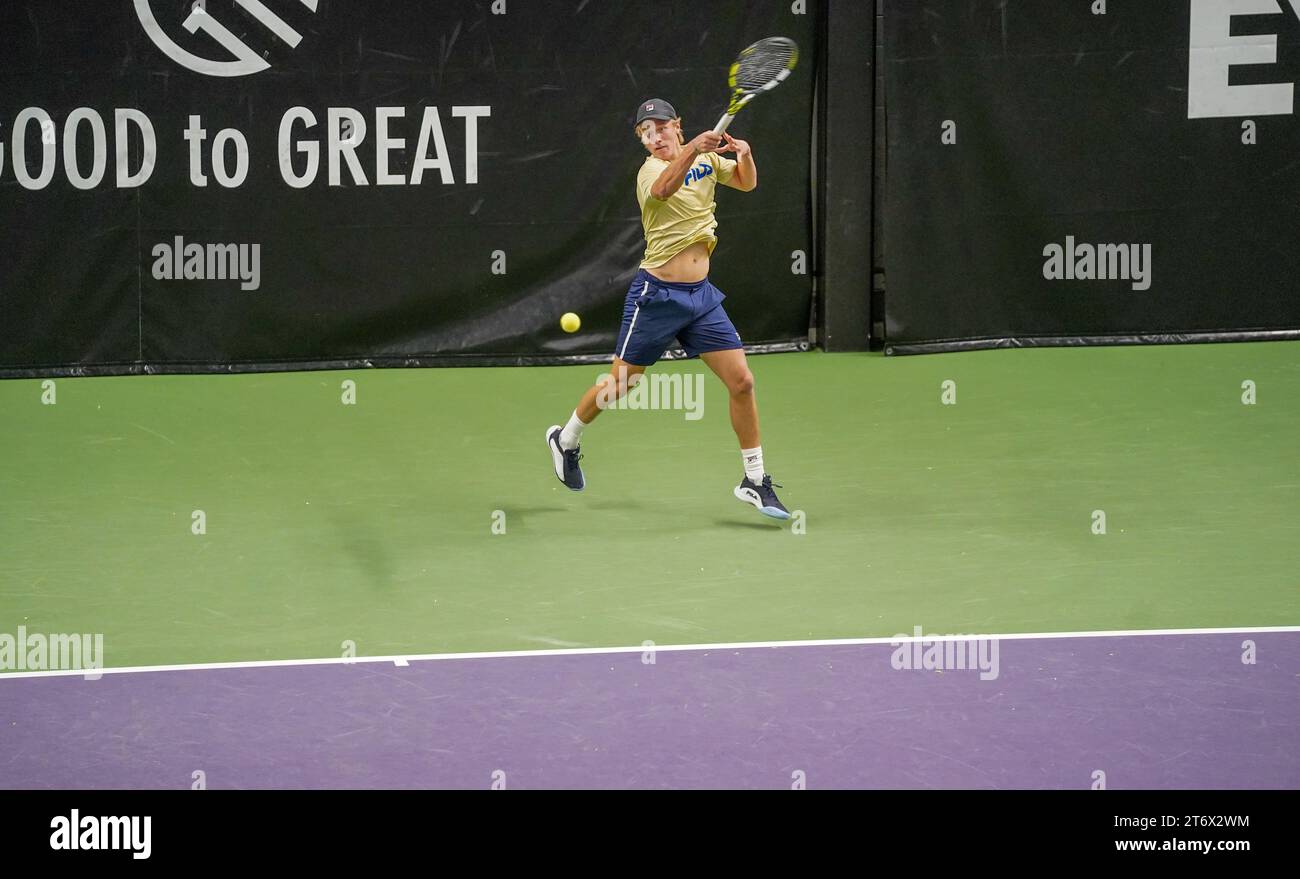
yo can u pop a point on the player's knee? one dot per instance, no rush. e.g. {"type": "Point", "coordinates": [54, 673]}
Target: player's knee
{"type": "Point", "coordinates": [618, 383]}
{"type": "Point", "coordinates": [607, 392]}
{"type": "Point", "coordinates": [743, 384]}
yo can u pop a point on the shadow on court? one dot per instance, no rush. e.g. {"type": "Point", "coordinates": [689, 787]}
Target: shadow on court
{"type": "Point", "coordinates": [761, 526]}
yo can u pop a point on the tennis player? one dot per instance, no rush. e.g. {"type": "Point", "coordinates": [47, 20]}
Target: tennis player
{"type": "Point", "coordinates": [671, 296]}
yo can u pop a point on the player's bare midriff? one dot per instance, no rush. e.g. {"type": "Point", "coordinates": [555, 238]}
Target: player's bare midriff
{"type": "Point", "coordinates": [687, 267]}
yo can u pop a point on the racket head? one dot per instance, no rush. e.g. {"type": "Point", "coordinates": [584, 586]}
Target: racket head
{"type": "Point", "coordinates": [759, 68]}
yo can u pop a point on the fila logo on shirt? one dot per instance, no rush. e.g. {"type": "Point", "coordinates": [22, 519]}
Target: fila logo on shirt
{"type": "Point", "coordinates": [1215, 52]}
{"type": "Point", "coordinates": [699, 172]}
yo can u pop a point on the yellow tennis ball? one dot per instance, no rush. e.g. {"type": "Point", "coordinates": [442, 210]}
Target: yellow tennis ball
{"type": "Point", "coordinates": [570, 322]}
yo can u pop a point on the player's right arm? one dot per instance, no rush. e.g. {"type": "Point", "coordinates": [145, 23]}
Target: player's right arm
{"type": "Point", "coordinates": [672, 177]}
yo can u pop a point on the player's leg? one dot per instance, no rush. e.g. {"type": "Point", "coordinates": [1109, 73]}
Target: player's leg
{"type": "Point", "coordinates": [622, 377]}
{"type": "Point", "coordinates": [714, 338]}
{"type": "Point", "coordinates": [564, 442]}
{"type": "Point", "coordinates": [650, 320]}
{"type": "Point", "coordinates": [730, 366]}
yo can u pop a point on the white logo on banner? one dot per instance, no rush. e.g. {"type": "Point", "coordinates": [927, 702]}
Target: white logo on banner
{"type": "Point", "coordinates": [1214, 52]}
{"type": "Point", "coordinates": [246, 58]}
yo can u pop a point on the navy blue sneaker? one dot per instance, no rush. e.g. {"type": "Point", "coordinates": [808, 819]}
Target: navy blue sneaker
{"type": "Point", "coordinates": [565, 461]}
{"type": "Point", "coordinates": [762, 496]}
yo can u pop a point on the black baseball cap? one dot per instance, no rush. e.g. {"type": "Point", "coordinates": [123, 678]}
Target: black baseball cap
{"type": "Point", "coordinates": [655, 108]}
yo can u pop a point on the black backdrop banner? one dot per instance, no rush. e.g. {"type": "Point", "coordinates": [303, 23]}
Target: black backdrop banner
{"type": "Point", "coordinates": [1080, 172]}
{"type": "Point", "coordinates": [309, 183]}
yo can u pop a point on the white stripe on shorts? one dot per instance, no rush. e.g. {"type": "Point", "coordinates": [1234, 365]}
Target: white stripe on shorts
{"type": "Point", "coordinates": [632, 325]}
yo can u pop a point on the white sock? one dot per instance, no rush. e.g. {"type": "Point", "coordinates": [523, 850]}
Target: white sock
{"type": "Point", "coordinates": [753, 459]}
{"type": "Point", "coordinates": [572, 433]}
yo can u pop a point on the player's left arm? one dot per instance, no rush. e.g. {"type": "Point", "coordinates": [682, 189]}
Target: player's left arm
{"type": "Point", "coordinates": [745, 175]}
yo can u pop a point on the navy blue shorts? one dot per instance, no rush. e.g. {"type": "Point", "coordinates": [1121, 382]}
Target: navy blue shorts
{"type": "Point", "coordinates": [656, 312]}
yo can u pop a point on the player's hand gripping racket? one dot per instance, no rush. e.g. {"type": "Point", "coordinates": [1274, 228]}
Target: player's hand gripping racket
{"type": "Point", "coordinates": [757, 69]}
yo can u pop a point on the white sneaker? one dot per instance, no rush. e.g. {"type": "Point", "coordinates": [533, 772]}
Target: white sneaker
{"type": "Point", "coordinates": [565, 460]}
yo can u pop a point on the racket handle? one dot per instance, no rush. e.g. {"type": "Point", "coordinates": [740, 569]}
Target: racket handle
{"type": "Point", "coordinates": [723, 123]}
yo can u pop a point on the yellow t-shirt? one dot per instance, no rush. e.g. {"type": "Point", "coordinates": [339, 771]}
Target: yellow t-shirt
{"type": "Point", "coordinates": [686, 217]}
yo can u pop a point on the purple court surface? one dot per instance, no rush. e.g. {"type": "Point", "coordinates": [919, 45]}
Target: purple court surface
{"type": "Point", "coordinates": [1156, 711]}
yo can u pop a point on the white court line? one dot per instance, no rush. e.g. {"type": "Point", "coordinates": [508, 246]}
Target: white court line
{"type": "Point", "coordinates": [405, 659]}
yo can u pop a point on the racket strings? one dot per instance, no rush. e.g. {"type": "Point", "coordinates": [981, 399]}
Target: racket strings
{"type": "Point", "coordinates": [766, 63]}
{"type": "Point", "coordinates": [758, 68]}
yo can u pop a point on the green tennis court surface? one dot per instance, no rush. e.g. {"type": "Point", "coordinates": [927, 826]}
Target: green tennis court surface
{"type": "Point", "coordinates": [373, 522]}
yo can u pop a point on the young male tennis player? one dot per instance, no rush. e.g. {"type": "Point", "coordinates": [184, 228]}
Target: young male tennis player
{"type": "Point", "coordinates": [671, 296]}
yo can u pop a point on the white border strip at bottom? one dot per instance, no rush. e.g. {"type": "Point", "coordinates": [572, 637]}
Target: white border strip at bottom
{"type": "Point", "coordinates": [405, 659]}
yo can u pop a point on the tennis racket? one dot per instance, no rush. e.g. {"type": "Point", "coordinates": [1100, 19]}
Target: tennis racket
{"type": "Point", "coordinates": [757, 69]}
